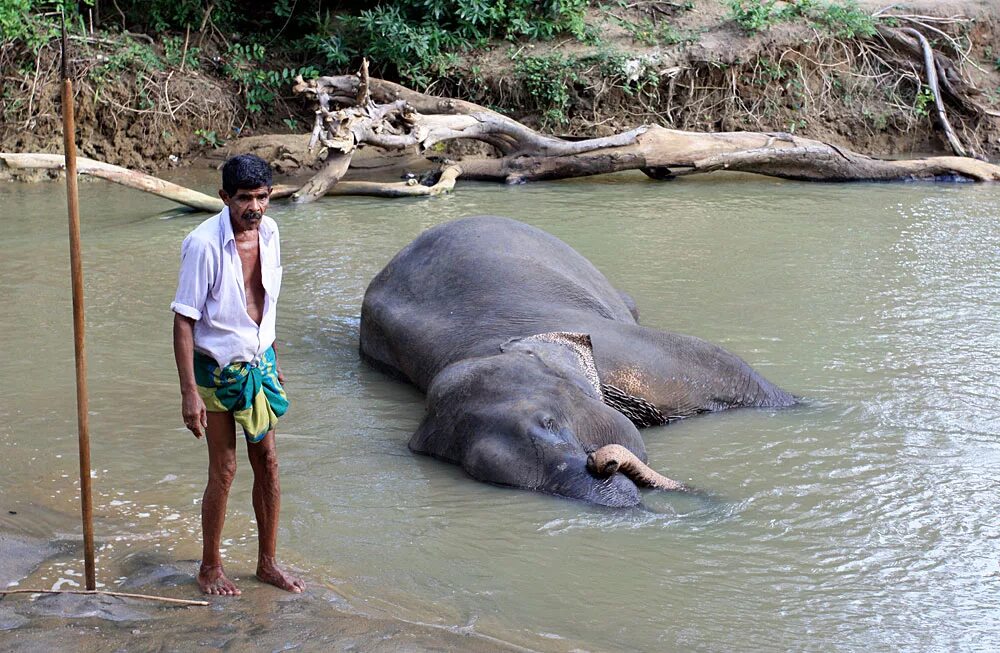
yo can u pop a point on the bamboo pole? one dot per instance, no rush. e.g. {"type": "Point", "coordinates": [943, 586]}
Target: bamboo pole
{"type": "Point", "coordinates": [76, 270]}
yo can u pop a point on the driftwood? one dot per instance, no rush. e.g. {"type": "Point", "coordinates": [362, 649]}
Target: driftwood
{"type": "Point", "coordinates": [203, 202]}
{"type": "Point", "coordinates": [355, 110]}
{"type": "Point", "coordinates": [409, 188]}
{"type": "Point", "coordinates": [124, 176]}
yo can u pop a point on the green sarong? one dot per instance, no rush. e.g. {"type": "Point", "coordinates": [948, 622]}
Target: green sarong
{"type": "Point", "coordinates": [250, 391]}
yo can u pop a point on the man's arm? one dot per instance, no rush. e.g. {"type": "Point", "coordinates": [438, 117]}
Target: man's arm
{"type": "Point", "coordinates": [192, 405]}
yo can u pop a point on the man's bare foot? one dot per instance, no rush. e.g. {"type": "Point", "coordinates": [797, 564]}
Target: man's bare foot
{"type": "Point", "coordinates": [211, 580]}
{"type": "Point", "coordinates": [269, 572]}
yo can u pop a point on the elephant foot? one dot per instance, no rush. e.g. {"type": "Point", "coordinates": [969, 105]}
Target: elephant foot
{"type": "Point", "coordinates": [615, 458]}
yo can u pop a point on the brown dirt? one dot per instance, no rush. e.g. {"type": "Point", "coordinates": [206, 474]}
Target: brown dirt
{"type": "Point", "coordinates": [792, 78]}
{"type": "Point", "coordinates": [145, 120]}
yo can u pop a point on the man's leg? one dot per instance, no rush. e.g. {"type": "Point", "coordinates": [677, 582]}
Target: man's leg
{"type": "Point", "coordinates": [221, 437]}
{"type": "Point", "coordinates": [266, 506]}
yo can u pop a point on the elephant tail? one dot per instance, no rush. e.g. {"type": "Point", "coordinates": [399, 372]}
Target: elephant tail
{"type": "Point", "coordinates": [615, 458]}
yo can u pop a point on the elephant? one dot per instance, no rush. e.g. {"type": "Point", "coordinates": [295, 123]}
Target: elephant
{"type": "Point", "coordinates": [532, 362]}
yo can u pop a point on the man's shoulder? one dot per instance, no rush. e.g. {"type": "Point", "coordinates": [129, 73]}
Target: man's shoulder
{"type": "Point", "coordinates": [270, 225]}
{"type": "Point", "coordinates": [207, 232]}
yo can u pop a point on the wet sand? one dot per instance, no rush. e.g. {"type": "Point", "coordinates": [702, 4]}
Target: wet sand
{"type": "Point", "coordinates": [262, 619]}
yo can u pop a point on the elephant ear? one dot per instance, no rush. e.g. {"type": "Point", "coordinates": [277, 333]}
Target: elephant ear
{"type": "Point", "coordinates": [578, 345]}
{"type": "Point", "coordinates": [640, 411]}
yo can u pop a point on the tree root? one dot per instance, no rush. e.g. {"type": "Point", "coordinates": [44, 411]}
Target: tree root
{"type": "Point", "coordinates": [931, 67]}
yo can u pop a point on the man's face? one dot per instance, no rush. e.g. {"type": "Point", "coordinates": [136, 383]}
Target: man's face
{"type": "Point", "coordinates": [247, 206]}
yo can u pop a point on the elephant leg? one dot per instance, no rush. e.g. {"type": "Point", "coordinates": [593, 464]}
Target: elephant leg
{"type": "Point", "coordinates": [680, 375]}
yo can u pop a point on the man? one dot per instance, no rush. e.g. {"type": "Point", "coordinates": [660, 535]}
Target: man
{"type": "Point", "coordinates": [224, 314]}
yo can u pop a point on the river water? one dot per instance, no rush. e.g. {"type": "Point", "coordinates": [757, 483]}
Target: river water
{"type": "Point", "coordinates": [864, 519]}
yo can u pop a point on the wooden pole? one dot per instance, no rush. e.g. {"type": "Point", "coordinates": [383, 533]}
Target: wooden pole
{"type": "Point", "coordinates": [76, 268]}
{"type": "Point", "coordinates": [126, 595]}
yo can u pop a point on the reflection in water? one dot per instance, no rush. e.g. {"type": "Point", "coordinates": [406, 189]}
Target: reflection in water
{"type": "Point", "coordinates": [866, 518]}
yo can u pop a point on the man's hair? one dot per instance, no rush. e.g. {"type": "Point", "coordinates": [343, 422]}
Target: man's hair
{"type": "Point", "coordinates": [246, 171]}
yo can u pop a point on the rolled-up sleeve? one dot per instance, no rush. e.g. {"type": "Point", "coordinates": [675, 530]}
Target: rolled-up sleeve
{"type": "Point", "coordinates": [194, 280]}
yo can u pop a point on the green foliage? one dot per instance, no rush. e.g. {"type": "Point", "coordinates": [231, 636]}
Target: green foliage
{"type": "Point", "coordinates": [394, 42]}
{"type": "Point", "coordinates": [177, 15]}
{"type": "Point", "coordinates": [173, 14]}
{"type": "Point", "coordinates": [11, 102]}
{"type": "Point", "coordinates": [842, 19]}
{"type": "Point", "coordinates": [796, 125]}
{"type": "Point", "coordinates": [649, 33]}
{"type": "Point", "coordinates": [21, 22]}
{"type": "Point", "coordinates": [135, 56]}
{"type": "Point", "coordinates": [548, 79]}
{"type": "Point", "coordinates": [330, 48]}
{"type": "Point", "coordinates": [173, 52]}
{"type": "Point", "coordinates": [923, 103]}
{"type": "Point", "coordinates": [415, 39]}
{"type": "Point", "coordinates": [260, 87]}
{"type": "Point", "coordinates": [757, 15]}
{"type": "Point", "coordinates": [992, 57]}
{"type": "Point", "coordinates": [208, 137]}
{"type": "Point", "coordinates": [845, 20]}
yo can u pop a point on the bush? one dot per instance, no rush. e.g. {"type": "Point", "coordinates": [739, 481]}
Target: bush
{"type": "Point", "coordinates": [260, 87]}
{"type": "Point", "coordinates": [548, 80]}
{"type": "Point", "coordinates": [413, 39]}
{"type": "Point", "coordinates": [846, 20]}
{"type": "Point", "coordinates": [20, 23]}
{"type": "Point", "coordinates": [842, 19]}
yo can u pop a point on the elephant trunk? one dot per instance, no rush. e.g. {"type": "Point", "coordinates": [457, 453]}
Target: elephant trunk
{"type": "Point", "coordinates": [615, 458]}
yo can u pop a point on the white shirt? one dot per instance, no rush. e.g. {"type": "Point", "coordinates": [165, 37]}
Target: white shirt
{"type": "Point", "coordinates": [210, 290]}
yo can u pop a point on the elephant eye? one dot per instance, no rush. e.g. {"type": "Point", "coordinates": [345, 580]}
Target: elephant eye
{"type": "Point", "coordinates": [548, 423]}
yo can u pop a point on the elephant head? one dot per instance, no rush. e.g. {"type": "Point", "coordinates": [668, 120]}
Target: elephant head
{"type": "Point", "coordinates": [528, 417]}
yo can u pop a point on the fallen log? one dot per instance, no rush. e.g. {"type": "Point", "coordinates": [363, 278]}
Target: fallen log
{"type": "Point", "coordinates": [355, 110]}
{"type": "Point", "coordinates": [203, 202]}
{"type": "Point", "coordinates": [410, 188]}
{"type": "Point", "coordinates": [119, 175]}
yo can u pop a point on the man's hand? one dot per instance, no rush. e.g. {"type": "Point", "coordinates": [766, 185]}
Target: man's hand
{"type": "Point", "coordinates": [195, 415]}
{"type": "Point", "coordinates": [281, 375]}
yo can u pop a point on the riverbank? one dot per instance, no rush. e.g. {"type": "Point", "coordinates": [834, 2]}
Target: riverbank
{"type": "Point", "coordinates": [262, 619]}
{"type": "Point", "coordinates": [695, 66]}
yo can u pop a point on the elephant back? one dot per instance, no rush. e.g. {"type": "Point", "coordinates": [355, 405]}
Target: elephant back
{"type": "Point", "coordinates": [463, 288]}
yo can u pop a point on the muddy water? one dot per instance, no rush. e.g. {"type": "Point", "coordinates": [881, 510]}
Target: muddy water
{"type": "Point", "coordinates": [864, 519]}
